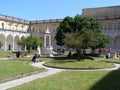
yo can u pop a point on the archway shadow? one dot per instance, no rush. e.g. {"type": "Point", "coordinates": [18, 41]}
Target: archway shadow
{"type": "Point", "coordinates": [109, 82]}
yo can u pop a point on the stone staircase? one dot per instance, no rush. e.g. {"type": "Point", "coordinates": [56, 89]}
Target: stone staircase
{"type": "Point", "coordinates": [47, 52]}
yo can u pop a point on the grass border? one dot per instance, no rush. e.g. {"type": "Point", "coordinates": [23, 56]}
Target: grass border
{"type": "Point", "coordinates": [22, 75]}
{"type": "Point", "coordinates": [76, 68]}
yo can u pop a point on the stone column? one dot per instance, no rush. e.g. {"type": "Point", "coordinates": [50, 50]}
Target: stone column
{"type": "Point", "coordinates": [13, 42]}
{"type": "Point", "coordinates": [45, 41]}
{"type": "Point", "coordinates": [5, 43]}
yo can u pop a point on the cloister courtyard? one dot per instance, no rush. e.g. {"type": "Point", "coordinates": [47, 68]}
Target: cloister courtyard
{"type": "Point", "coordinates": [56, 70]}
{"type": "Point", "coordinates": [59, 73]}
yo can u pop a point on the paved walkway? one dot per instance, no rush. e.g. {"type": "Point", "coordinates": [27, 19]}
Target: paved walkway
{"type": "Point", "coordinates": [50, 71]}
{"type": "Point", "coordinates": [6, 58]}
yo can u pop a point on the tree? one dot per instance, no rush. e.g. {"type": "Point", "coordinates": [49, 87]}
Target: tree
{"type": "Point", "coordinates": [30, 41]}
{"type": "Point", "coordinates": [80, 32]}
{"type": "Point", "coordinates": [64, 27]}
{"type": "Point", "coordinates": [1, 44]}
{"type": "Point", "coordinates": [74, 40]}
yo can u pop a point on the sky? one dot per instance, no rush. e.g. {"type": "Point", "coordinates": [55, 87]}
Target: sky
{"type": "Point", "coordinates": [49, 9]}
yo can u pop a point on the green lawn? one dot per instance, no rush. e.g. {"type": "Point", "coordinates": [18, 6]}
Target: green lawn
{"type": "Point", "coordinates": [113, 60]}
{"type": "Point", "coordinates": [75, 64]}
{"type": "Point", "coordinates": [45, 59]}
{"type": "Point", "coordinates": [5, 53]}
{"type": "Point", "coordinates": [66, 80]}
{"type": "Point", "coordinates": [76, 80]}
{"type": "Point", "coordinates": [16, 67]}
{"type": "Point", "coordinates": [10, 53]}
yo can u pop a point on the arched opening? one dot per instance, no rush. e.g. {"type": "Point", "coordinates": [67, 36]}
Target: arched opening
{"type": "Point", "coordinates": [53, 43]}
{"type": "Point", "coordinates": [16, 39]}
{"type": "Point", "coordinates": [3, 26]}
{"type": "Point", "coordinates": [9, 47]}
{"type": "Point", "coordinates": [47, 40]}
{"type": "Point", "coordinates": [22, 47]}
{"type": "Point", "coordinates": [9, 42]}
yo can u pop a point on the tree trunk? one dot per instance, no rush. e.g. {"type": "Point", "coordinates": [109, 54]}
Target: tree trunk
{"type": "Point", "coordinates": [93, 51]}
{"type": "Point", "coordinates": [78, 52]}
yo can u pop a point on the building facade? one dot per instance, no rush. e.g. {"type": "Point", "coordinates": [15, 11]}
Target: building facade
{"type": "Point", "coordinates": [109, 19]}
{"type": "Point", "coordinates": [46, 30]}
{"type": "Point", "coordinates": [13, 29]}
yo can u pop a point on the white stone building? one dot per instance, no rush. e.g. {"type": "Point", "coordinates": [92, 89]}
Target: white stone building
{"type": "Point", "coordinates": [13, 29]}
{"type": "Point", "coordinates": [109, 18]}
{"type": "Point", "coordinates": [46, 30]}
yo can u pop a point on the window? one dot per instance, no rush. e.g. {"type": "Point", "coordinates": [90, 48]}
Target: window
{"type": "Point", "coordinates": [2, 25]}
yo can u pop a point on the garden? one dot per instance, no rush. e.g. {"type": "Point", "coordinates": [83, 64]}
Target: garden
{"type": "Point", "coordinates": [77, 75]}
{"type": "Point", "coordinates": [73, 78]}
{"type": "Point", "coordinates": [81, 71]}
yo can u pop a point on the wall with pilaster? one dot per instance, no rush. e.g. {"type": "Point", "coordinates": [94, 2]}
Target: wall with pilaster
{"type": "Point", "coordinates": [39, 29]}
{"type": "Point", "coordinates": [109, 19]}
{"type": "Point", "coordinates": [102, 11]}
